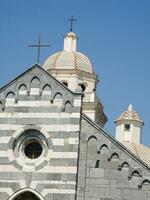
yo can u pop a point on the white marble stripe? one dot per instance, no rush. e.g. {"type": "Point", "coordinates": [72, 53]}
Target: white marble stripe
{"type": "Point", "coordinates": [64, 155]}
{"type": "Point", "coordinates": [55, 127]}
{"type": "Point", "coordinates": [35, 183]}
{"type": "Point", "coordinates": [10, 101]}
{"type": "Point", "coordinates": [4, 139]}
{"type": "Point", "coordinates": [3, 154]}
{"type": "Point", "coordinates": [8, 168]}
{"type": "Point", "coordinates": [54, 154]}
{"type": "Point", "coordinates": [10, 127]}
{"type": "Point", "coordinates": [39, 115]}
{"type": "Point", "coordinates": [77, 102]}
{"type": "Point", "coordinates": [46, 169]}
{"type": "Point", "coordinates": [9, 191]}
{"type": "Point", "coordinates": [58, 142]}
{"type": "Point", "coordinates": [57, 191]}
{"type": "Point", "coordinates": [62, 142]}
{"type": "Point", "coordinates": [28, 168]}
{"type": "Point", "coordinates": [58, 169]}
{"type": "Point", "coordinates": [22, 92]}
{"type": "Point", "coordinates": [41, 103]}
{"type": "Point", "coordinates": [34, 91]}
{"type": "Point", "coordinates": [46, 92]}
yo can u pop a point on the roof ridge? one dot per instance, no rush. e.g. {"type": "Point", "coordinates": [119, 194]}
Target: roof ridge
{"type": "Point", "coordinates": [42, 69]}
{"type": "Point", "coordinates": [123, 147]}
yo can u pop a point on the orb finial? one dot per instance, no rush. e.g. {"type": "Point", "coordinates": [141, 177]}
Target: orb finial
{"type": "Point", "coordinates": [130, 107]}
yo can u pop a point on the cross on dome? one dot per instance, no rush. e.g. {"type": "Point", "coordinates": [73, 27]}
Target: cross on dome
{"type": "Point", "coordinates": [72, 19]}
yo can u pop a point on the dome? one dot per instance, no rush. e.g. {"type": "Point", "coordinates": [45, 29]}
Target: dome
{"type": "Point", "coordinates": [69, 58]}
{"type": "Point", "coordinates": [129, 114]}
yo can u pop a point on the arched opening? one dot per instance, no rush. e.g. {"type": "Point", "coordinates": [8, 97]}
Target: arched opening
{"type": "Point", "coordinates": [114, 157]}
{"type": "Point", "coordinates": [35, 86]}
{"type": "Point", "coordinates": [27, 196]}
{"type": "Point", "coordinates": [92, 152]}
{"type": "Point", "coordinates": [10, 99]}
{"type": "Point", "coordinates": [22, 90]}
{"type": "Point", "coordinates": [125, 165]}
{"type": "Point", "coordinates": [145, 185]}
{"type": "Point", "coordinates": [68, 107]}
{"type": "Point", "coordinates": [65, 83]}
{"type": "Point", "coordinates": [58, 100]}
{"type": "Point", "coordinates": [104, 149]}
{"type": "Point", "coordinates": [82, 86]}
{"type": "Point", "coordinates": [46, 90]}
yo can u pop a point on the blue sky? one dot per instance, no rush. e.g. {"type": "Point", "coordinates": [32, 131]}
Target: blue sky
{"type": "Point", "coordinates": [114, 34]}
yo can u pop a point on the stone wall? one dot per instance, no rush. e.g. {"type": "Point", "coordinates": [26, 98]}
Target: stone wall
{"type": "Point", "coordinates": [107, 170]}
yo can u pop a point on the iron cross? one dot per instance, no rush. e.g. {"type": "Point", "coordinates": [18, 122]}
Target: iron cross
{"type": "Point", "coordinates": [72, 19]}
{"type": "Point", "coordinates": [38, 46]}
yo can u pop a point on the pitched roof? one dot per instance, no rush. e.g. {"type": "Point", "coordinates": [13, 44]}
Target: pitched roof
{"type": "Point", "coordinates": [141, 151]}
{"type": "Point", "coordinates": [135, 151]}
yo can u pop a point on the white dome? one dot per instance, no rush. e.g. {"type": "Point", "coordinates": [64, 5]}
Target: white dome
{"type": "Point", "coordinates": [68, 60]}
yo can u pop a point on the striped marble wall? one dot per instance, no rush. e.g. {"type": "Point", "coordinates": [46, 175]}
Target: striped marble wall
{"type": "Point", "coordinates": [37, 103]}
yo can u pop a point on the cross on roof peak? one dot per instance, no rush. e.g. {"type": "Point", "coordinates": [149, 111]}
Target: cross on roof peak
{"type": "Point", "coordinates": [38, 46]}
{"type": "Point", "coordinates": [72, 19]}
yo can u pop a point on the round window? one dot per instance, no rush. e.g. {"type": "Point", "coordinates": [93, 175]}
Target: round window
{"type": "Point", "coordinates": [33, 149]}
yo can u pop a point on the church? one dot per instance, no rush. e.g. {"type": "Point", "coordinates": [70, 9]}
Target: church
{"type": "Point", "coordinates": [53, 145]}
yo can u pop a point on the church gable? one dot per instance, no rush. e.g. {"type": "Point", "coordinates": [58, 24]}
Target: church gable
{"type": "Point", "coordinates": [109, 169]}
{"type": "Point", "coordinates": [36, 85]}
{"type": "Point", "coordinates": [39, 134]}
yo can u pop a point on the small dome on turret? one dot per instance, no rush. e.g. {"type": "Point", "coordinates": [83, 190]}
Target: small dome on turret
{"type": "Point", "coordinates": [69, 58]}
{"type": "Point", "coordinates": [129, 114]}
{"type": "Point", "coordinates": [129, 133]}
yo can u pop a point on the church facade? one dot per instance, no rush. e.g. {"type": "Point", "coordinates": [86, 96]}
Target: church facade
{"type": "Point", "coordinates": [52, 142]}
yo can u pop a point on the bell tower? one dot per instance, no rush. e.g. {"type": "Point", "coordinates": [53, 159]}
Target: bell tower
{"type": "Point", "coordinates": [74, 69]}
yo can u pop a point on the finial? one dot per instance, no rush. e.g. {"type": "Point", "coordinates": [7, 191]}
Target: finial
{"type": "Point", "coordinates": [130, 107]}
{"type": "Point", "coordinates": [72, 19]}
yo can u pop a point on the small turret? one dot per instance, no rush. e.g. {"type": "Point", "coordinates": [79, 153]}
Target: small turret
{"type": "Point", "coordinates": [129, 127]}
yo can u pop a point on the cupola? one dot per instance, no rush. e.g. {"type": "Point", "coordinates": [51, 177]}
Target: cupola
{"type": "Point", "coordinates": [69, 58]}
{"type": "Point", "coordinates": [129, 126]}
{"type": "Point", "coordinates": [74, 69]}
